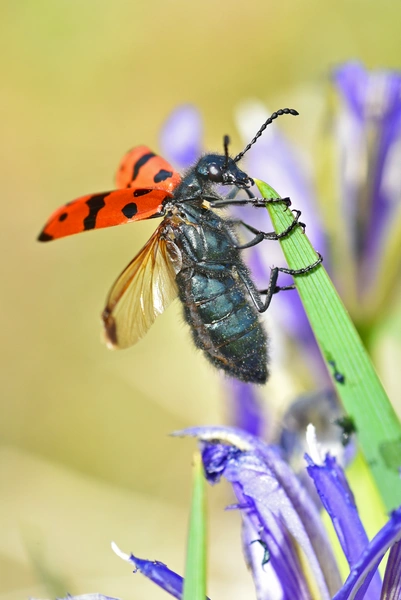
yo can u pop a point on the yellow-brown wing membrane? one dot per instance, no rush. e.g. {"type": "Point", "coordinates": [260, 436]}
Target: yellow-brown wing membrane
{"type": "Point", "coordinates": [142, 292]}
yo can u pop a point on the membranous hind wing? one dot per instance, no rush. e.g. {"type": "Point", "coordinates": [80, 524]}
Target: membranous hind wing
{"type": "Point", "coordinates": [141, 167]}
{"type": "Point", "coordinates": [142, 292]}
{"type": "Point", "coordinates": [104, 210]}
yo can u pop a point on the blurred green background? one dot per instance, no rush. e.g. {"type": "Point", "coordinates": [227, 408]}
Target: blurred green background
{"type": "Point", "coordinates": [85, 456]}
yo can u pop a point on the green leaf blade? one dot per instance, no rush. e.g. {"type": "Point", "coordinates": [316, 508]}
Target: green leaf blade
{"type": "Point", "coordinates": [195, 568]}
{"type": "Point", "coordinates": [363, 396]}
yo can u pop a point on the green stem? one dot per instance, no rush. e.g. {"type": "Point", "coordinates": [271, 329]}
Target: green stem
{"type": "Point", "coordinates": [363, 396]}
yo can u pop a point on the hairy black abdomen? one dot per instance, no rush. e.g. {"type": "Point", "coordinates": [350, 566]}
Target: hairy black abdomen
{"type": "Point", "coordinates": [224, 323]}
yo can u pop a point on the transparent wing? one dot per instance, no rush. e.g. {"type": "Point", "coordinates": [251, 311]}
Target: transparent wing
{"type": "Point", "coordinates": [142, 292]}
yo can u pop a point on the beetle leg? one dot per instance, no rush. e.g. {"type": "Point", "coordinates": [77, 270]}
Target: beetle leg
{"type": "Point", "coordinates": [273, 288]}
{"type": "Point", "coordinates": [271, 235]}
{"type": "Point", "coordinates": [255, 202]}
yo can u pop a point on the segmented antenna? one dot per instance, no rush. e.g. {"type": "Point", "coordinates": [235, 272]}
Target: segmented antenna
{"type": "Point", "coordinates": [278, 113]}
{"type": "Point", "coordinates": [226, 141]}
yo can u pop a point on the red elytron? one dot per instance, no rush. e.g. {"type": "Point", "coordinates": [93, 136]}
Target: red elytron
{"type": "Point", "coordinates": [153, 180]}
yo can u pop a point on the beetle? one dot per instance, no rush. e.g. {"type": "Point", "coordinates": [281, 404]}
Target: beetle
{"type": "Point", "coordinates": [193, 254]}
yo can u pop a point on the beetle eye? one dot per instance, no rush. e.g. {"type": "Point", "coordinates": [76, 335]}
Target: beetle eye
{"type": "Point", "coordinates": [215, 173]}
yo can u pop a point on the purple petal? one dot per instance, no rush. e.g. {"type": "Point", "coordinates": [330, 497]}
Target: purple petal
{"type": "Point", "coordinates": [267, 584]}
{"type": "Point", "coordinates": [156, 571]}
{"type": "Point", "coordinates": [392, 578]}
{"type": "Point", "coordinates": [160, 574]}
{"type": "Point", "coordinates": [283, 558]}
{"type": "Point", "coordinates": [370, 558]}
{"type": "Point", "coordinates": [277, 518]}
{"type": "Point", "coordinates": [338, 500]}
{"type": "Point", "coordinates": [215, 457]}
{"type": "Point", "coordinates": [246, 410]}
{"type": "Point", "coordinates": [370, 154]}
{"type": "Point", "coordinates": [386, 190]}
{"type": "Point", "coordinates": [273, 498]}
{"type": "Point", "coordinates": [181, 136]}
{"type": "Point", "coordinates": [351, 80]}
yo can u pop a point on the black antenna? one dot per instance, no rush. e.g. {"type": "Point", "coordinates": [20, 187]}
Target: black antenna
{"type": "Point", "coordinates": [278, 113]}
{"type": "Point", "coordinates": [226, 141]}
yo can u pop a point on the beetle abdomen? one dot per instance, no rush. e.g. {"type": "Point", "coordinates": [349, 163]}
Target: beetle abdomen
{"type": "Point", "coordinates": [224, 323]}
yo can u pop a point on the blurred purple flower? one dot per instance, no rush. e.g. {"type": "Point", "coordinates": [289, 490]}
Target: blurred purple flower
{"type": "Point", "coordinates": [279, 513]}
{"type": "Point", "coordinates": [181, 136]}
{"type": "Point", "coordinates": [245, 407]}
{"type": "Point", "coordinates": [369, 152]}
{"type": "Point", "coordinates": [367, 144]}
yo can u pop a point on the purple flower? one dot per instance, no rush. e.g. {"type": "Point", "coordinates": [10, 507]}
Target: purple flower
{"type": "Point", "coordinates": [279, 517]}
{"type": "Point", "coordinates": [369, 155]}
{"type": "Point", "coordinates": [181, 136]}
{"type": "Point", "coordinates": [280, 520]}
{"type": "Point", "coordinates": [365, 256]}
{"type": "Point", "coordinates": [245, 408]}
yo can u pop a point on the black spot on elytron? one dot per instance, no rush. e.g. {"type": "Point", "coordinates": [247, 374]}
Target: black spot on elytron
{"type": "Point", "coordinates": [63, 216]}
{"type": "Point", "coordinates": [141, 193]}
{"type": "Point", "coordinates": [130, 210]}
{"type": "Point", "coordinates": [162, 175]}
{"type": "Point", "coordinates": [139, 164]}
{"type": "Point", "coordinates": [95, 204]}
{"type": "Point", "coordinates": [44, 237]}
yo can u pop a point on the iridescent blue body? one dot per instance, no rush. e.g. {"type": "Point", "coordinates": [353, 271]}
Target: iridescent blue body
{"type": "Point", "coordinates": [214, 282]}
